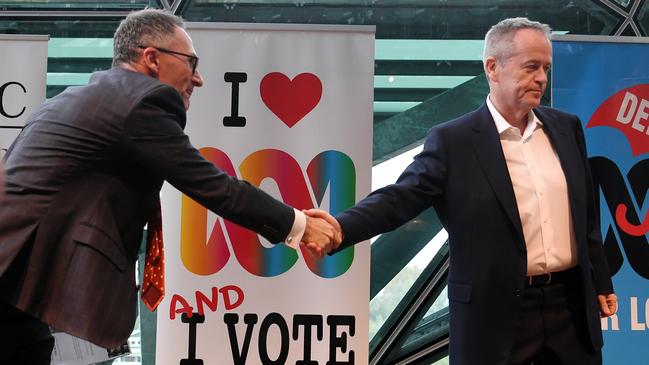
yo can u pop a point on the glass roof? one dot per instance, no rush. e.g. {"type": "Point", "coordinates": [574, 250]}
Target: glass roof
{"type": "Point", "coordinates": [74, 5]}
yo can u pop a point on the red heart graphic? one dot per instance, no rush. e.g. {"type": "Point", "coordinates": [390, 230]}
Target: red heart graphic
{"type": "Point", "coordinates": [290, 99]}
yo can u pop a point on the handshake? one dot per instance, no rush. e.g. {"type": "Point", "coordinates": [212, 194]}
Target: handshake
{"type": "Point", "coordinates": [322, 234]}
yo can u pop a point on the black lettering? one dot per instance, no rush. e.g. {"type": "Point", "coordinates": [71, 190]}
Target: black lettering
{"type": "Point", "coordinates": [308, 321]}
{"type": "Point", "coordinates": [2, 91]}
{"type": "Point", "coordinates": [278, 320]}
{"type": "Point", "coordinates": [234, 120]}
{"type": "Point", "coordinates": [230, 320]}
{"type": "Point", "coordinates": [191, 351]}
{"type": "Point", "coordinates": [336, 342]}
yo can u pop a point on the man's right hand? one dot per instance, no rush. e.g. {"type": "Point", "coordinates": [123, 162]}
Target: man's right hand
{"type": "Point", "coordinates": [317, 238]}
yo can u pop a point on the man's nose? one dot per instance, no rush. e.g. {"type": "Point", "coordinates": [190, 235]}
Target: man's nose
{"type": "Point", "coordinates": [197, 79]}
{"type": "Point", "coordinates": [542, 76]}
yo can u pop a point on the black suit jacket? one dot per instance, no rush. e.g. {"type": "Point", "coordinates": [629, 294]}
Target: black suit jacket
{"type": "Point", "coordinates": [81, 181]}
{"type": "Point", "coordinates": [462, 173]}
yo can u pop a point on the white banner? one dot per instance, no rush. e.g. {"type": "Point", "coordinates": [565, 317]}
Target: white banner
{"type": "Point", "coordinates": [288, 108]}
{"type": "Point", "coordinates": [23, 78]}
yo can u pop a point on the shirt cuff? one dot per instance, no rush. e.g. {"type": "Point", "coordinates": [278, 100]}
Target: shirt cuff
{"type": "Point", "coordinates": [297, 231]}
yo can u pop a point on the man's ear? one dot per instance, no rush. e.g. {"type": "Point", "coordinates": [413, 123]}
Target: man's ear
{"type": "Point", "coordinates": [151, 61]}
{"type": "Point", "coordinates": [490, 68]}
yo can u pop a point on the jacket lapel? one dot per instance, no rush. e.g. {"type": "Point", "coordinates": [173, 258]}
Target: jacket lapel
{"type": "Point", "coordinates": [486, 142]}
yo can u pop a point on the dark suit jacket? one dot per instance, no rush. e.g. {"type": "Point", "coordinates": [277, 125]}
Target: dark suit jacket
{"type": "Point", "coordinates": [81, 181]}
{"type": "Point", "coordinates": [462, 173]}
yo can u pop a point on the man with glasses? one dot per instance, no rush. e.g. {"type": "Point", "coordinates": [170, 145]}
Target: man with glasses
{"type": "Point", "coordinates": [192, 59]}
{"type": "Point", "coordinates": [82, 180]}
{"type": "Point", "coordinates": [177, 79]}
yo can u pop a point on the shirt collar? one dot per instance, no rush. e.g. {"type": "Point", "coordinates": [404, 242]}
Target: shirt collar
{"type": "Point", "coordinates": [533, 122]}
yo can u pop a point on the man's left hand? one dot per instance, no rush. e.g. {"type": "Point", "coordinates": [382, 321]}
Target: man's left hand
{"type": "Point", "coordinates": [607, 305]}
{"type": "Point", "coordinates": [314, 241]}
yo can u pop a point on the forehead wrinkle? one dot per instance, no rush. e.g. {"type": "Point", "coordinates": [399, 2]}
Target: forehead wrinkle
{"type": "Point", "coordinates": [533, 55]}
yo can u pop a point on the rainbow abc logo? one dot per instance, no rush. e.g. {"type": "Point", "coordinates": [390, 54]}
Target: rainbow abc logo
{"type": "Point", "coordinates": [206, 256]}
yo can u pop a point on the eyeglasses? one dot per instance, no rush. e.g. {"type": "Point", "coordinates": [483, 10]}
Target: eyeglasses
{"type": "Point", "coordinates": [191, 59]}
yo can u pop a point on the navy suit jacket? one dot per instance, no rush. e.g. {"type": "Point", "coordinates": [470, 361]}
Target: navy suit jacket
{"type": "Point", "coordinates": [462, 173]}
{"type": "Point", "coordinates": [82, 178]}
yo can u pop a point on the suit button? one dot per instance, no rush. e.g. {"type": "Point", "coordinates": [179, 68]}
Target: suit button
{"type": "Point", "coordinates": [517, 292]}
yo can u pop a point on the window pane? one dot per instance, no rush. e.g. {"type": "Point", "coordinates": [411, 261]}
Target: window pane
{"type": "Point", "coordinates": [73, 5]}
{"type": "Point", "coordinates": [384, 303]}
{"type": "Point", "coordinates": [432, 326]}
{"type": "Point", "coordinates": [442, 361]}
{"type": "Point", "coordinates": [623, 3]}
{"type": "Point", "coordinates": [412, 19]}
{"type": "Point", "coordinates": [643, 18]}
{"type": "Point", "coordinates": [61, 27]}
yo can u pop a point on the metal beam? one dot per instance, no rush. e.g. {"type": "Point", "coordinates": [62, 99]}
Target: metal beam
{"type": "Point", "coordinates": [408, 316]}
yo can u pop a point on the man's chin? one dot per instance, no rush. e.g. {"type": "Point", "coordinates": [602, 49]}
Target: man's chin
{"type": "Point", "coordinates": [534, 102]}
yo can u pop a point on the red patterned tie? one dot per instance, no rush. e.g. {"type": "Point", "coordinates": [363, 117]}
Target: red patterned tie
{"type": "Point", "coordinates": [153, 286]}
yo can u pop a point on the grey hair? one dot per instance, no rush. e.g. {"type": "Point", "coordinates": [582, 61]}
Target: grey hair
{"type": "Point", "coordinates": [146, 27]}
{"type": "Point", "coordinates": [498, 40]}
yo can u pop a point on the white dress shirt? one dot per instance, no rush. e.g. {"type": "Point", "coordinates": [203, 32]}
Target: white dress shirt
{"type": "Point", "coordinates": [541, 194]}
{"type": "Point", "coordinates": [297, 231]}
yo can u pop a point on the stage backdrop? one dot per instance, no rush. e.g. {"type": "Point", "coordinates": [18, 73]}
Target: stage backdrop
{"type": "Point", "coordinates": [23, 74]}
{"type": "Point", "coordinates": [288, 108]}
{"type": "Point", "coordinates": [605, 81]}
